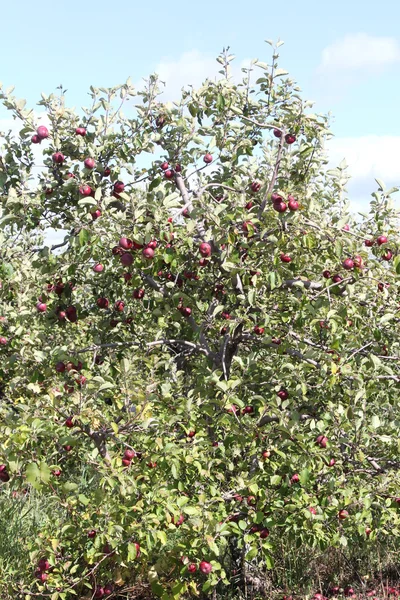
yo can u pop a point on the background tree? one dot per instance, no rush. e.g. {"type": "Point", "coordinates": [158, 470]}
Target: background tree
{"type": "Point", "coordinates": [199, 385]}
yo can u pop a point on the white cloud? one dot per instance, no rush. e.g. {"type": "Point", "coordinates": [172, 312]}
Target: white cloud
{"type": "Point", "coordinates": [368, 157]}
{"type": "Point", "coordinates": [360, 51]}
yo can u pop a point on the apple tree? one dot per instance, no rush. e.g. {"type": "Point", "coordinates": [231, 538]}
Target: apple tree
{"type": "Point", "coordinates": [205, 371]}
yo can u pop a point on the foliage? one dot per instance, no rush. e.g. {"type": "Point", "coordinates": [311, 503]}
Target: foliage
{"type": "Point", "coordinates": [258, 397]}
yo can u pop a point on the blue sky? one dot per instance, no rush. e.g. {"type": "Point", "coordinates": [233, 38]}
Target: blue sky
{"type": "Point", "coordinates": [345, 55]}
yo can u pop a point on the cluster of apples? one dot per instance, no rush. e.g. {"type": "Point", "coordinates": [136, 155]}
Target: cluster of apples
{"type": "Point", "coordinates": [281, 206]}
{"type": "Point", "coordinates": [204, 566]}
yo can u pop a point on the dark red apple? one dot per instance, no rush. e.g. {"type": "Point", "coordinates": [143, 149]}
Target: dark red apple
{"type": "Point", "coordinates": [348, 264]}
{"type": "Point", "coordinates": [89, 163]}
{"type": "Point", "coordinates": [42, 132]}
{"type": "Point", "coordinates": [98, 268]}
{"type": "Point", "coordinates": [255, 186]}
{"type": "Point", "coordinates": [205, 567]}
{"type": "Point", "coordinates": [58, 158]}
{"type": "Point", "coordinates": [119, 305]}
{"type": "Point", "coordinates": [277, 133]}
{"type": "Point", "coordinates": [369, 243]}
{"type": "Point", "coordinates": [295, 478]}
{"type": "Point", "coordinates": [259, 330]}
{"type": "Point", "coordinates": [207, 158]}
{"type": "Point", "coordinates": [283, 394]}
{"type": "Point", "coordinates": [326, 274]}
{"type": "Point", "coordinates": [69, 423]}
{"type": "Point", "coordinates": [35, 139]}
{"type": "Point", "coordinates": [96, 214]}
{"type": "Point", "coordinates": [102, 302]}
{"type": "Point", "coordinates": [92, 534]}
{"type": "Point", "coordinates": [106, 172]}
{"type": "Point", "coordinates": [382, 239]}
{"type": "Point", "coordinates": [119, 187]}
{"type": "Point", "coordinates": [290, 138]}
{"type": "Point", "coordinates": [387, 255]}
{"type": "Point", "coordinates": [280, 207]}
{"type": "Point", "coordinates": [126, 259]}
{"type": "Point", "coordinates": [205, 249]}
{"type": "Point", "coordinates": [164, 165]}
{"type": "Point", "coordinates": [138, 294]}
{"type": "Point", "coordinates": [285, 258]}
{"type": "Point", "coordinates": [80, 131]}
{"type": "Point", "coordinates": [264, 533]}
{"type": "Point", "coordinates": [192, 568]}
{"type": "Point", "coordinates": [168, 174]}
{"type": "Point", "coordinates": [343, 514]}
{"type": "Point", "coordinates": [41, 307]}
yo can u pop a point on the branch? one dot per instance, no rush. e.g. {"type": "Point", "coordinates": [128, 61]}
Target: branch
{"type": "Point", "coordinates": [274, 176]}
{"type": "Point", "coordinates": [162, 342]}
{"type": "Point", "coordinates": [180, 184]}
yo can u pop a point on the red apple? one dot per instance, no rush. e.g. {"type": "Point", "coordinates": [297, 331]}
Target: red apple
{"type": "Point", "coordinates": [336, 278]}
{"type": "Point", "coordinates": [106, 172]}
{"type": "Point", "coordinates": [102, 302]}
{"type": "Point", "coordinates": [264, 533]}
{"type": "Point", "coordinates": [119, 187]}
{"type": "Point", "coordinates": [168, 174]}
{"type": "Point", "coordinates": [321, 441]}
{"type": "Point", "coordinates": [205, 249]}
{"type": "Point", "coordinates": [129, 454]}
{"type": "Point", "coordinates": [85, 190]}
{"type": "Point", "coordinates": [148, 253]}
{"type": "Point", "coordinates": [292, 203]}
{"type": "Point", "coordinates": [126, 259]}
{"type": "Point", "coordinates": [258, 330]}
{"type": "Point", "coordinates": [69, 423]}
{"type": "Point", "coordinates": [205, 567]}
{"type": "Point", "coordinates": [382, 239]}
{"type": "Point", "coordinates": [192, 568]}
{"type": "Point", "coordinates": [387, 255]}
{"type": "Point", "coordinates": [283, 394]}
{"type": "Point", "coordinates": [285, 258]}
{"type": "Point", "coordinates": [207, 158]}
{"type": "Point", "coordinates": [369, 243]}
{"type": "Point", "coordinates": [98, 268]}
{"type": "Point", "coordinates": [343, 514]}
{"type": "Point", "coordinates": [295, 478]}
{"type": "Point", "coordinates": [96, 214]}
{"type": "Point", "coordinates": [43, 564]}
{"type": "Point", "coordinates": [3, 341]}
{"type": "Point", "coordinates": [186, 311]}
{"type": "Point", "coordinates": [119, 305]}
{"type": "Point", "coordinates": [35, 139]}
{"type": "Point", "coordinates": [92, 534]}
{"type": "Point", "coordinates": [58, 158]}
{"type": "Point", "coordinates": [255, 186]}
{"type": "Point", "coordinates": [80, 131]}
{"type": "Point", "coordinates": [42, 132]}
{"type": "Point", "coordinates": [41, 307]}
{"type": "Point", "coordinates": [277, 133]}
{"type": "Point", "coordinates": [89, 163]}
{"type": "Point", "coordinates": [164, 165]}
{"type": "Point", "coordinates": [138, 294]}
{"type": "Point", "coordinates": [290, 138]}
{"type": "Point", "coordinates": [280, 207]}
{"type": "Point", "coordinates": [98, 592]}
{"type": "Point", "coordinates": [348, 264]}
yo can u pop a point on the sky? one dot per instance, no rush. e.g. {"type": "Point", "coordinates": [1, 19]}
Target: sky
{"type": "Point", "coordinates": [345, 55]}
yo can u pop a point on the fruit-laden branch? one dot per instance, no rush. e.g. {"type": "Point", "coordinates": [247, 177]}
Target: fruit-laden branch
{"type": "Point", "coordinates": [274, 176]}
{"type": "Point", "coordinates": [163, 342]}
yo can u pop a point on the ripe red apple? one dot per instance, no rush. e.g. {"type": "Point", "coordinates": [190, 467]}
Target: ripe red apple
{"type": "Point", "coordinates": [126, 462]}
{"type": "Point", "coordinates": [42, 132]}
{"type": "Point", "coordinates": [98, 592]}
{"type": "Point", "coordinates": [258, 330]}
{"type": "Point", "coordinates": [98, 268]}
{"type": "Point", "coordinates": [343, 514]}
{"type": "Point", "coordinates": [292, 203]}
{"type": "Point", "coordinates": [92, 534]}
{"type": "Point", "coordinates": [102, 302]}
{"type": "Point", "coordinates": [247, 410]}
{"type": "Point", "coordinates": [108, 589]}
{"type": "Point", "coordinates": [89, 163]}
{"type": "Point", "coordinates": [58, 158]}
{"type": "Point", "coordinates": [337, 278]}
{"type": "Point", "coordinates": [106, 172]}
{"type": "Point", "coordinates": [41, 307]}
{"type": "Point", "coordinates": [35, 139]}
{"type": "Point", "coordinates": [119, 305]}
{"type": "Point", "coordinates": [96, 214]}
{"type": "Point", "coordinates": [168, 174]}
{"type": "Point", "coordinates": [382, 239]}
{"type": "Point", "coordinates": [264, 533]}
{"type": "Point", "coordinates": [152, 244]}
{"type": "Point", "coordinates": [277, 133]}
{"type": "Point", "coordinates": [148, 253]}
{"type": "Point", "coordinates": [321, 441]}
{"type": "Point", "coordinates": [285, 258]}
{"type": "Point", "coordinates": [369, 243]}
{"type": "Point", "coordinates": [126, 259]}
{"type": "Point", "coordinates": [4, 476]}
{"type": "Point", "coordinates": [251, 500]}
{"type": "Point", "coordinates": [207, 158]}
{"type": "Point", "coordinates": [41, 576]}
{"type": "Point", "coordinates": [295, 478]}
{"type": "Point", "coordinates": [332, 462]}
{"type": "Point", "coordinates": [280, 207]}
{"type": "Point", "coordinates": [43, 564]}
{"type": "Point", "coordinates": [186, 311]}
{"type": "Point", "coordinates": [387, 255]}
{"type": "Point", "coordinates": [138, 294]}
{"type": "Point", "coordinates": [69, 423]}
{"type": "Point", "coordinates": [368, 531]}
{"type": "Point", "coordinates": [326, 274]}
{"type": "Point", "coordinates": [290, 138]}
{"type": "Point", "coordinates": [129, 454]}
{"type": "Point", "coordinates": [348, 264]}
{"type": "Point", "coordinates": [266, 454]}
{"type": "Point", "coordinates": [358, 261]}
{"type": "Point", "coordinates": [71, 314]}
{"type": "Point", "coordinates": [205, 567]}
{"type": "Point", "coordinates": [255, 186]}
{"type": "Point", "coordinates": [205, 249]}
{"type": "Point", "coordinates": [80, 131]}
{"type": "Point", "coordinates": [283, 394]}
{"type": "Point", "coordinates": [192, 568]}
{"type": "Point", "coordinates": [178, 168]}
{"type": "Point", "coordinates": [85, 190]}
{"type": "Point", "coordinates": [346, 227]}
{"type": "Point", "coordinates": [119, 187]}
{"type": "Point", "coordinates": [3, 341]}
{"type": "Point", "coordinates": [164, 165]}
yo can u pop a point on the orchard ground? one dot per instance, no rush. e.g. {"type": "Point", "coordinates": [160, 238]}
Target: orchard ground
{"type": "Point", "coordinates": [200, 384]}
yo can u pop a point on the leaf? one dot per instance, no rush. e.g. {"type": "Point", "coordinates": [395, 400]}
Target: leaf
{"type": "Point", "coordinates": [375, 421]}
{"type": "Point", "coordinates": [83, 236]}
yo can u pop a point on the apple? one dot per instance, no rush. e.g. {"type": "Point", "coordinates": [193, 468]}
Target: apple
{"type": "Point", "coordinates": [35, 139]}
{"type": "Point", "coordinates": [215, 444]}
{"type": "Point", "coordinates": [164, 165]}
{"type": "Point", "coordinates": [264, 533]}
{"type": "Point", "coordinates": [258, 330]}
{"type": "Point", "coordinates": [348, 264]}
{"type": "Point", "coordinates": [283, 394]}
{"type": "Point", "coordinates": [276, 341]}
{"type": "Point", "coordinates": [251, 500]}
{"type": "Point", "coordinates": [382, 239]}
{"type": "Point", "coordinates": [61, 315]}
{"type": "Point", "coordinates": [138, 294]}
{"type": "Point", "coordinates": [148, 253]}
{"type": "Point", "coordinates": [85, 190]}
{"type": "Point", "coordinates": [126, 462]}
{"type": "Point", "coordinates": [337, 278]}
{"type": "Point", "coordinates": [326, 274]}
{"type": "Point", "coordinates": [277, 133]}
{"type": "Point", "coordinates": [108, 589]}
{"type": "Point", "coordinates": [207, 158]}
{"type": "Point", "coordinates": [249, 205]}
{"type": "Point", "coordinates": [92, 534]}
{"type": "Point", "coordinates": [119, 187]}
{"type": "Point", "coordinates": [179, 521]}
{"type": "Point", "coordinates": [89, 163]}
{"type": "Point", "coordinates": [98, 268]}
{"type": "Point", "coordinates": [102, 302]}
{"type": "Point", "coordinates": [41, 307]}
{"type": "Point", "coordinates": [4, 476]}
{"type": "Point", "coordinates": [369, 243]}
{"type": "Point", "coordinates": [280, 207]}
{"type": "Point", "coordinates": [58, 158]}
{"type": "Point", "coordinates": [152, 244]}
{"type": "Point", "coordinates": [119, 305]}
{"type": "Point", "coordinates": [358, 261]}
{"type": "Point", "coordinates": [69, 423]}
{"type": "Point", "coordinates": [205, 249]}
{"type": "Point", "coordinates": [285, 258]}
{"type": "Point", "coordinates": [295, 478]}
{"type": "Point", "coordinates": [255, 186]}
{"type": "Point", "coordinates": [106, 172]}
{"type": "Point", "coordinates": [80, 131]}
{"type": "Point", "coordinates": [293, 204]}
{"type": "Point", "coordinates": [126, 259]}
{"type": "Point", "coordinates": [43, 564]}
{"type": "Point", "coordinates": [137, 546]}
{"type": "Point", "coordinates": [96, 214]}
{"type": "Point", "coordinates": [160, 121]}
{"type": "Point", "coordinates": [290, 138]}
{"type": "Point", "coordinates": [266, 454]}
{"type": "Point", "coordinates": [42, 576]}
{"type": "Point", "coordinates": [387, 255]}
{"type": "Point", "coordinates": [247, 410]}
{"type": "Point", "coordinates": [98, 592]}
{"type": "Point", "coordinates": [3, 341]}
{"type": "Point", "coordinates": [168, 174]}
{"type": "Point", "coordinates": [343, 514]}
{"type": "Point", "coordinates": [192, 568]}
{"type": "Point", "coordinates": [321, 441]}
{"type": "Point", "coordinates": [178, 168]}
{"type": "Point", "coordinates": [129, 454]}
{"type": "Point", "coordinates": [186, 311]}
{"type": "Point", "coordinates": [42, 132]}
{"type": "Point", "coordinates": [368, 531]}
{"type": "Point", "coordinates": [203, 262]}
{"type": "Point", "coordinates": [70, 312]}
{"type": "Point", "coordinates": [205, 567]}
